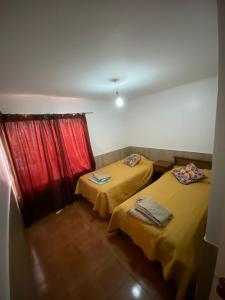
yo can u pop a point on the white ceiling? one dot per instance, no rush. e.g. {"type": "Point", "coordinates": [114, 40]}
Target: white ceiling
{"type": "Point", "coordinates": [73, 48]}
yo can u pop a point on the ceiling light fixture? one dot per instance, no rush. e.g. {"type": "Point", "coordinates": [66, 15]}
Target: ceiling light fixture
{"type": "Point", "coordinates": [119, 101]}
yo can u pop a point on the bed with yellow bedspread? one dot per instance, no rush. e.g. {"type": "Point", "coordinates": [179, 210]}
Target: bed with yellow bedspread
{"type": "Point", "coordinates": [125, 182]}
{"type": "Point", "coordinates": [177, 245]}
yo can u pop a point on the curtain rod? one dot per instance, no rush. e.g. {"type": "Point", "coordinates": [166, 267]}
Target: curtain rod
{"type": "Point", "coordinates": [86, 113]}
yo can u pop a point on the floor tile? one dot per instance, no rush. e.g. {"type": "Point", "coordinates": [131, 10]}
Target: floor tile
{"type": "Point", "coordinates": [131, 290]}
{"type": "Point", "coordinates": [73, 257]}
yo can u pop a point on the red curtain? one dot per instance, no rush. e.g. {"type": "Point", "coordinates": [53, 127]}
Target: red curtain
{"type": "Point", "coordinates": [49, 153]}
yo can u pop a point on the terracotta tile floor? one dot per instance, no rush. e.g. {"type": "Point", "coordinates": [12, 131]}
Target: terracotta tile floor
{"type": "Point", "coordinates": [73, 257]}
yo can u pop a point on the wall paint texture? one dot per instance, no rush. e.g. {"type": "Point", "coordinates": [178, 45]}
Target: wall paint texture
{"type": "Point", "coordinates": [181, 118]}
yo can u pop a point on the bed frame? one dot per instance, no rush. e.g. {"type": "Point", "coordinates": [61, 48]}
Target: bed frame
{"type": "Point", "coordinates": [181, 161]}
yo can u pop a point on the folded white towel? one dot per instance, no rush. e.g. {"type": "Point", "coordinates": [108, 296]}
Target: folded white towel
{"type": "Point", "coordinates": [101, 177]}
{"type": "Point", "coordinates": [135, 213]}
{"type": "Point", "coordinates": [153, 211]}
{"type": "Point", "coordinates": [93, 179]}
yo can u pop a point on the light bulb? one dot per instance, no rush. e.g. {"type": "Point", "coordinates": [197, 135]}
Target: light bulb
{"type": "Point", "coordinates": [119, 101]}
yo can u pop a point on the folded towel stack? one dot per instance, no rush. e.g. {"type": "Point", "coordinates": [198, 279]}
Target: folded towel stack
{"type": "Point", "coordinates": [151, 212]}
{"type": "Point", "coordinates": [100, 178]}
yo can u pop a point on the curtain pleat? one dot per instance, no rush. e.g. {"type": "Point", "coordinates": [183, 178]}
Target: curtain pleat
{"type": "Point", "coordinates": [48, 156]}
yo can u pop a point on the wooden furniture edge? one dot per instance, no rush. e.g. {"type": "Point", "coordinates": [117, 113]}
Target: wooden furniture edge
{"type": "Point", "coordinates": [202, 164]}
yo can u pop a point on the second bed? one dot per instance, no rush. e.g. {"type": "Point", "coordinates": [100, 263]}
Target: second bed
{"type": "Point", "coordinates": [177, 245]}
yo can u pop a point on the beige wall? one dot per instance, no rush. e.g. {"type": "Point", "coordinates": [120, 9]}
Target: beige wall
{"type": "Point", "coordinates": [21, 278]}
{"type": "Point", "coordinates": [181, 118]}
{"type": "Point", "coordinates": [216, 221]}
{"type": "Point", "coordinates": [215, 232]}
{"type": "Point", "coordinates": [217, 203]}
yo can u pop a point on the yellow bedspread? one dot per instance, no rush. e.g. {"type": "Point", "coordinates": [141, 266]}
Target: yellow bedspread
{"type": "Point", "coordinates": [125, 182]}
{"type": "Point", "coordinates": [177, 245]}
